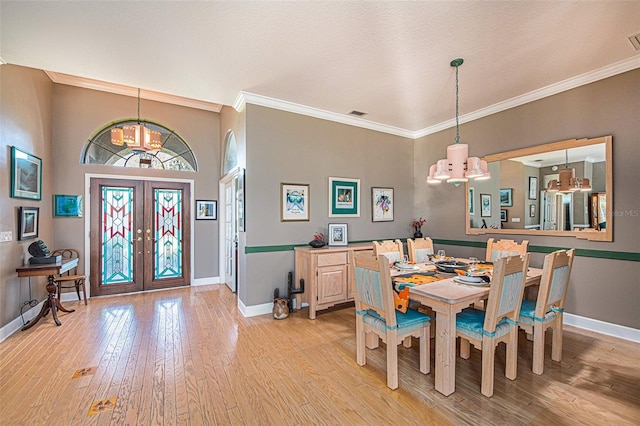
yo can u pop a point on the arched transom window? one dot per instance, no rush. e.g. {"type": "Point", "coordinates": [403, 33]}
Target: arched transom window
{"type": "Point", "coordinates": [174, 153]}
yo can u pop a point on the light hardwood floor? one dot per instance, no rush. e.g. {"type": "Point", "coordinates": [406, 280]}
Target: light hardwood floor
{"type": "Point", "coordinates": [187, 356]}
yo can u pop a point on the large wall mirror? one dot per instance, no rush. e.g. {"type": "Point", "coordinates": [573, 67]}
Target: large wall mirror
{"type": "Point", "coordinates": [561, 189]}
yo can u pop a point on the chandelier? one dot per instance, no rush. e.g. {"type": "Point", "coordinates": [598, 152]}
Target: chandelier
{"type": "Point", "coordinates": [137, 136]}
{"type": "Point", "coordinates": [567, 181]}
{"type": "Point", "coordinates": [458, 167]}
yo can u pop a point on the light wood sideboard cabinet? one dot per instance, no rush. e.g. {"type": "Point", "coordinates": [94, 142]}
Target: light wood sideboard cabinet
{"type": "Point", "coordinates": [326, 275]}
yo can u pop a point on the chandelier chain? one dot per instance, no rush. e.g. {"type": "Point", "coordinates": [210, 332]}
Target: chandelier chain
{"type": "Point", "coordinates": [457, 122]}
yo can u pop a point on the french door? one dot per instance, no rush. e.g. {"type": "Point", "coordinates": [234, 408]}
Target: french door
{"type": "Point", "coordinates": [140, 235]}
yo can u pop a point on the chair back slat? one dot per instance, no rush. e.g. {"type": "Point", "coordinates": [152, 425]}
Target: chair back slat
{"type": "Point", "coordinates": [373, 286]}
{"type": "Point", "coordinates": [507, 289]}
{"type": "Point", "coordinates": [511, 293]}
{"type": "Point", "coordinates": [556, 273]}
{"type": "Point", "coordinates": [369, 288]}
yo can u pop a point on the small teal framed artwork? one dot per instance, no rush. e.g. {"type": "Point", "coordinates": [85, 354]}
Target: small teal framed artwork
{"type": "Point", "coordinates": [67, 205]}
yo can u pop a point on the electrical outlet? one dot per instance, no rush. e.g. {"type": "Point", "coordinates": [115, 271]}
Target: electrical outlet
{"type": "Point", "coordinates": [6, 236]}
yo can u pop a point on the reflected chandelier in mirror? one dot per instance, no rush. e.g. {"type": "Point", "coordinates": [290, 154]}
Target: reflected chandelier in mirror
{"type": "Point", "coordinates": [525, 185]}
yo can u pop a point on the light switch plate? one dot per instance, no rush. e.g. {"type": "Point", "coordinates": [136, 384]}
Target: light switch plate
{"type": "Point", "coordinates": [515, 219]}
{"type": "Point", "coordinates": [6, 236]}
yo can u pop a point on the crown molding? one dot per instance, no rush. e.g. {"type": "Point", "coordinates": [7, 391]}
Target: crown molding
{"type": "Point", "coordinates": [119, 89]}
{"type": "Point", "coordinates": [255, 99]}
{"type": "Point", "coordinates": [553, 89]}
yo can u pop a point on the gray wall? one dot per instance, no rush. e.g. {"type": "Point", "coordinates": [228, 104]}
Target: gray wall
{"type": "Point", "coordinates": [292, 148]}
{"type": "Point", "coordinates": [26, 97]}
{"type": "Point", "coordinates": [601, 289]}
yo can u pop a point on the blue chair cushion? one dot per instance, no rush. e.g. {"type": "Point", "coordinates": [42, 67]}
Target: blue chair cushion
{"type": "Point", "coordinates": [407, 322]}
{"type": "Point", "coordinates": [471, 321]}
{"type": "Point", "coordinates": [527, 313]}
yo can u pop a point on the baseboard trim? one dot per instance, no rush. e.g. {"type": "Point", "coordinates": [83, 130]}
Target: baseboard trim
{"type": "Point", "coordinates": [254, 310]}
{"type": "Point", "coordinates": [16, 324]}
{"type": "Point", "coordinates": [610, 329]}
{"type": "Point", "coordinates": [205, 281]}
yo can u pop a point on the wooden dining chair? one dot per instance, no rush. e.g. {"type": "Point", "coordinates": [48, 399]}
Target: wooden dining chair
{"type": "Point", "coordinates": [393, 250]}
{"type": "Point", "coordinates": [547, 310]}
{"type": "Point", "coordinates": [485, 329]}
{"type": "Point", "coordinates": [419, 249]}
{"type": "Point", "coordinates": [503, 248]}
{"type": "Point", "coordinates": [376, 314]}
{"type": "Point", "coordinates": [71, 278]}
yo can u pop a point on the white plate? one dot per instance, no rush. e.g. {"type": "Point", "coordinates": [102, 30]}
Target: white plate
{"type": "Point", "coordinates": [469, 280]}
{"type": "Point", "coordinates": [401, 267]}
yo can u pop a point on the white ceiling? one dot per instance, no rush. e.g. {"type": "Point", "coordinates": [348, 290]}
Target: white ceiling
{"type": "Point", "coordinates": [389, 59]}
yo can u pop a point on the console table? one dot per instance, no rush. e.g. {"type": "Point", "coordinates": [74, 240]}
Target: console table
{"type": "Point", "coordinates": [52, 303]}
{"type": "Point", "coordinates": [326, 275]}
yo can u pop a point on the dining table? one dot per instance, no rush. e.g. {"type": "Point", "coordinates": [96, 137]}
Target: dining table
{"type": "Point", "coordinates": [446, 298]}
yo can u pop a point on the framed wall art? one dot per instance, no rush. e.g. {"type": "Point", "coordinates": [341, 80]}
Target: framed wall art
{"type": "Point", "coordinates": [506, 197]}
{"type": "Point", "coordinates": [533, 188]}
{"type": "Point", "coordinates": [344, 197]}
{"type": "Point", "coordinates": [485, 205]}
{"type": "Point", "coordinates": [28, 223]}
{"type": "Point", "coordinates": [382, 204]}
{"type": "Point", "coordinates": [206, 209]}
{"type": "Point", "coordinates": [67, 205]}
{"type": "Point", "coordinates": [294, 202]}
{"type": "Point", "coordinates": [338, 234]}
{"type": "Point", "coordinates": [503, 215]}
{"type": "Point", "coordinates": [26, 175]}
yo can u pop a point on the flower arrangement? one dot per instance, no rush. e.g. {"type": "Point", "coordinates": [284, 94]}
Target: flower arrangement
{"type": "Point", "coordinates": [417, 224]}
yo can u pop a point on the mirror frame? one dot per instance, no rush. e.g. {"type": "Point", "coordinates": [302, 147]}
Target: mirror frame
{"type": "Point", "coordinates": [606, 235]}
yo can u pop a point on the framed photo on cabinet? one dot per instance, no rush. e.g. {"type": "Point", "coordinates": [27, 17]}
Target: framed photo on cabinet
{"type": "Point", "coordinates": [338, 234]}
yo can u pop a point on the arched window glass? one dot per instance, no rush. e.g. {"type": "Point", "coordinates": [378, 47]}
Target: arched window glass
{"type": "Point", "coordinates": [174, 154]}
{"type": "Point", "coordinates": [230, 153]}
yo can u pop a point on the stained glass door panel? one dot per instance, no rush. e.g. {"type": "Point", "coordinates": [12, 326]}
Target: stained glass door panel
{"type": "Point", "coordinates": [140, 238]}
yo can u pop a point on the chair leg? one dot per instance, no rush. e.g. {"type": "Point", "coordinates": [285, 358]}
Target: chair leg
{"type": "Point", "coordinates": [392, 359]}
{"type": "Point", "coordinates": [372, 340]}
{"type": "Point", "coordinates": [78, 289]}
{"type": "Point", "coordinates": [465, 348]}
{"type": "Point", "coordinates": [488, 367]}
{"type": "Point", "coordinates": [84, 290]}
{"type": "Point", "coordinates": [556, 342]}
{"type": "Point", "coordinates": [511, 368]}
{"type": "Point", "coordinates": [538, 348]}
{"type": "Point", "coordinates": [425, 350]}
{"type": "Point", "coordinates": [361, 351]}
{"type": "Point", "coordinates": [407, 342]}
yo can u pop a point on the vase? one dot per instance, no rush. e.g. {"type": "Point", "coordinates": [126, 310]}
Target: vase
{"type": "Point", "coordinates": [316, 243]}
{"type": "Point", "coordinates": [417, 234]}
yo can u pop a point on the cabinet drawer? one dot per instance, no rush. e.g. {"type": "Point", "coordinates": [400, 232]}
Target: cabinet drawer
{"type": "Point", "coordinates": [332, 259]}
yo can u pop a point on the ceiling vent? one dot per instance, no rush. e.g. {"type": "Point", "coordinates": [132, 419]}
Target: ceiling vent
{"type": "Point", "coordinates": [635, 40]}
{"type": "Point", "coordinates": [358, 113]}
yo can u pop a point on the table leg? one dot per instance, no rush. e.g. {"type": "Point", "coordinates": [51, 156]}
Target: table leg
{"type": "Point", "coordinates": [51, 304]}
{"type": "Point", "coordinates": [445, 371]}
